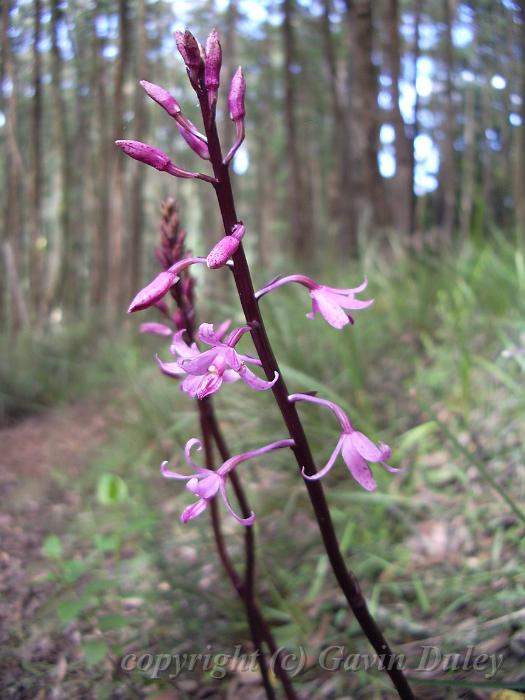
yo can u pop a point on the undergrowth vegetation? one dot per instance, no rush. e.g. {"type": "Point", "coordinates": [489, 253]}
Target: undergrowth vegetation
{"type": "Point", "coordinates": [435, 368]}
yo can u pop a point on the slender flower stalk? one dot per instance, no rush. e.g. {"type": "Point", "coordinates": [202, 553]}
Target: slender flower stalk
{"type": "Point", "coordinates": [330, 303]}
{"type": "Point", "coordinates": [249, 303]}
{"type": "Point", "coordinates": [169, 252]}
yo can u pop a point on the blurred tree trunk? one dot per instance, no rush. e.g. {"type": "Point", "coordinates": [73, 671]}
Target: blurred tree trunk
{"type": "Point", "coordinates": [341, 199]}
{"type": "Point", "coordinates": [59, 274]}
{"type": "Point", "coordinates": [116, 284]}
{"type": "Point", "coordinates": [415, 131]}
{"type": "Point", "coordinates": [266, 163]}
{"type": "Point", "coordinates": [14, 187]}
{"type": "Point", "coordinates": [468, 170]}
{"type": "Point", "coordinates": [100, 249]}
{"type": "Point", "coordinates": [139, 131]}
{"type": "Point", "coordinates": [61, 263]}
{"type": "Point", "coordinates": [300, 215]}
{"type": "Point", "coordinates": [448, 169]}
{"type": "Point", "coordinates": [367, 181]}
{"type": "Point", "coordinates": [35, 209]}
{"type": "Point", "coordinates": [404, 144]}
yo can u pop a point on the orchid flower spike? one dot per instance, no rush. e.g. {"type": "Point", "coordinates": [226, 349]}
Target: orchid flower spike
{"type": "Point", "coordinates": [206, 483]}
{"type": "Point", "coordinates": [159, 287]}
{"type": "Point", "coordinates": [330, 302]}
{"type": "Point", "coordinates": [221, 363]}
{"type": "Point", "coordinates": [355, 447]}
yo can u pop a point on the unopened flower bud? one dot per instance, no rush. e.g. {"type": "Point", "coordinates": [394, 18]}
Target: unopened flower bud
{"type": "Point", "coordinates": [145, 153]}
{"type": "Point", "coordinates": [154, 157]}
{"type": "Point", "coordinates": [191, 52]}
{"type": "Point", "coordinates": [162, 97]}
{"type": "Point", "coordinates": [196, 144]}
{"type": "Point", "coordinates": [225, 248]}
{"type": "Point", "coordinates": [212, 67]}
{"type": "Point", "coordinates": [236, 96]}
{"type": "Point", "coordinates": [154, 291]}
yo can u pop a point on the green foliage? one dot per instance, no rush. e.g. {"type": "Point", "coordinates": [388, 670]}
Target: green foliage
{"type": "Point", "coordinates": [435, 368]}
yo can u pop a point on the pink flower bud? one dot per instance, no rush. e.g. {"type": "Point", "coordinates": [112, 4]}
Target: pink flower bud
{"type": "Point", "coordinates": [145, 153]}
{"type": "Point", "coordinates": [236, 96]}
{"type": "Point", "coordinates": [153, 292]}
{"type": "Point", "coordinates": [196, 144]}
{"type": "Point", "coordinates": [222, 252]}
{"type": "Point", "coordinates": [225, 248]}
{"type": "Point", "coordinates": [154, 157]}
{"type": "Point", "coordinates": [212, 66]}
{"type": "Point", "coordinates": [162, 97]}
{"type": "Point", "coordinates": [191, 52]}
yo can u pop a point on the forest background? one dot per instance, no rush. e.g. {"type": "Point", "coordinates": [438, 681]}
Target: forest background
{"type": "Point", "coordinates": [384, 138]}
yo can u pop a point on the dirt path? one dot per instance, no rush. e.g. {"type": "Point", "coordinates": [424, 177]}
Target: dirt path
{"type": "Point", "coordinates": [34, 505]}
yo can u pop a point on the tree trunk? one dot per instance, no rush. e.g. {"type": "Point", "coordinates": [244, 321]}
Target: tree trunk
{"type": "Point", "coordinates": [61, 264]}
{"type": "Point", "coordinates": [341, 202]}
{"type": "Point", "coordinates": [116, 285]}
{"type": "Point", "coordinates": [415, 130]}
{"type": "Point", "coordinates": [14, 187]}
{"type": "Point", "coordinates": [448, 178]}
{"type": "Point", "coordinates": [367, 181]}
{"type": "Point", "coordinates": [468, 170]}
{"type": "Point", "coordinates": [35, 209]}
{"type": "Point", "coordinates": [99, 266]}
{"type": "Point", "coordinates": [404, 144]}
{"type": "Point", "coordinates": [139, 131]}
{"type": "Point", "coordinates": [300, 215]}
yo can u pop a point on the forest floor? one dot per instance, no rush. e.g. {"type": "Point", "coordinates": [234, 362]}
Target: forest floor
{"type": "Point", "coordinates": [37, 656]}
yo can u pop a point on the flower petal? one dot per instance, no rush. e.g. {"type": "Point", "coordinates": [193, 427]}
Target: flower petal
{"type": "Point", "coordinates": [347, 302]}
{"type": "Point", "coordinates": [169, 474]}
{"type": "Point", "coordinates": [194, 442]}
{"type": "Point", "coordinates": [359, 469]}
{"type": "Point", "coordinates": [230, 375]}
{"type": "Point", "coordinates": [332, 313]}
{"type": "Point", "coordinates": [191, 385]}
{"type": "Point", "coordinates": [328, 465]}
{"type": "Point", "coordinates": [172, 369]}
{"type": "Point", "coordinates": [249, 358]}
{"type": "Point", "coordinates": [181, 348]}
{"type": "Point", "coordinates": [207, 334]}
{"type": "Point", "coordinates": [193, 510]}
{"type": "Point", "coordinates": [243, 521]}
{"type": "Point", "coordinates": [255, 382]}
{"type": "Point", "coordinates": [209, 385]}
{"type": "Point", "coordinates": [366, 447]}
{"type": "Point", "coordinates": [199, 365]}
{"type": "Point", "coordinates": [207, 487]}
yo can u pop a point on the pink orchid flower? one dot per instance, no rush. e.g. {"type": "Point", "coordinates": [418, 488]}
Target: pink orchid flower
{"type": "Point", "coordinates": [355, 447]}
{"type": "Point", "coordinates": [330, 302]}
{"type": "Point", "coordinates": [206, 483]}
{"type": "Point", "coordinates": [221, 363]}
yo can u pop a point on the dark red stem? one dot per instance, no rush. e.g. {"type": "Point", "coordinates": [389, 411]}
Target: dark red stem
{"type": "Point", "coordinates": [241, 272]}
